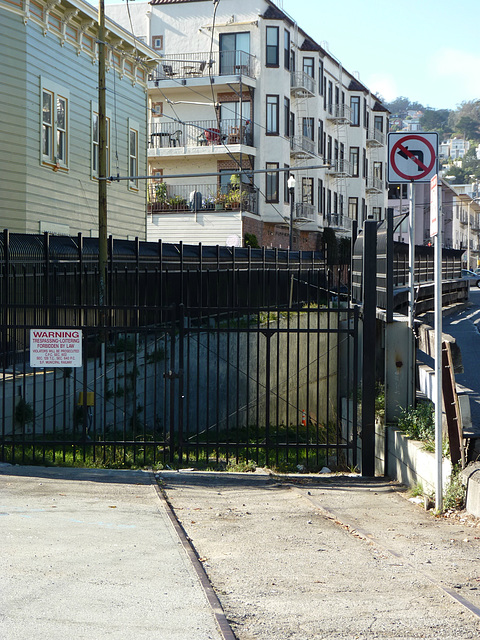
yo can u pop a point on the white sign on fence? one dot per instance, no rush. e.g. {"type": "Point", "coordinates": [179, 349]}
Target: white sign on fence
{"type": "Point", "coordinates": [55, 348]}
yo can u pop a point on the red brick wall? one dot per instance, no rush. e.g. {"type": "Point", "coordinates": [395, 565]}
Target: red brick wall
{"type": "Point", "coordinates": [274, 236]}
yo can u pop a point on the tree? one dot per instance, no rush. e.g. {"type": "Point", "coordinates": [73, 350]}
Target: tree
{"type": "Point", "coordinates": [466, 120]}
{"type": "Point", "coordinates": [469, 127]}
{"type": "Point", "coordinates": [436, 120]}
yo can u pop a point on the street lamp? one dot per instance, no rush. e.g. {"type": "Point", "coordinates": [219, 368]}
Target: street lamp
{"type": "Point", "coordinates": [291, 189]}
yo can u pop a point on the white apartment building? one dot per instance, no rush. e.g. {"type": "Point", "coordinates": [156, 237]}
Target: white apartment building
{"type": "Point", "coordinates": [241, 97]}
{"type": "Point", "coordinates": [460, 217]}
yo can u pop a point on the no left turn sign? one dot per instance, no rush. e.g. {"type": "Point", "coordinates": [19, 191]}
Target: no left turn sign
{"type": "Point", "coordinates": [412, 157]}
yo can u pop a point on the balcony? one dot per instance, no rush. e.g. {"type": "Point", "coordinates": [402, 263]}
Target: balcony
{"type": "Point", "coordinates": [184, 66]}
{"type": "Point", "coordinates": [375, 138]}
{"type": "Point", "coordinates": [196, 198]}
{"type": "Point", "coordinates": [340, 168]}
{"type": "Point", "coordinates": [301, 147]}
{"type": "Point", "coordinates": [302, 85]}
{"type": "Point", "coordinates": [304, 212]}
{"type": "Point", "coordinates": [339, 113]}
{"type": "Point", "coordinates": [166, 138]}
{"type": "Point", "coordinates": [338, 222]}
{"type": "Point", "coordinates": [374, 185]}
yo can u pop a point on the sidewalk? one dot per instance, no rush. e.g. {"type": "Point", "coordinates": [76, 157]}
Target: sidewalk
{"type": "Point", "coordinates": [93, 554]}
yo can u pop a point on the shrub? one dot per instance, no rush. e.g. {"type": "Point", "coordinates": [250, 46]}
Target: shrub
{"type": "Point", "coordinates": [419, 423]}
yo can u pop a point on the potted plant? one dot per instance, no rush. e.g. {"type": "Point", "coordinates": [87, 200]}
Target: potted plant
{"type": "Point", "coordinates": [220, 200]}
{"type": "Point", "coordinates": [178, 203]}
{"type": "Point", "coordinates": [160, 201]}
{"type": "Point", "coordinates": [208, 202]}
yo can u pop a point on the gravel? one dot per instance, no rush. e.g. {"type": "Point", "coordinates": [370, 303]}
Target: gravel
{"type": "Point", "coordinates": [308, 557]}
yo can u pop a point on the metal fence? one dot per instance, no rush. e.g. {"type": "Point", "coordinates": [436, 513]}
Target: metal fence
{"type": "Point", "coordinates": [205, 365]}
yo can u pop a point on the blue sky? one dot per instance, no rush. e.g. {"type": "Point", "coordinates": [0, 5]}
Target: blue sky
{"type": "Point", "coordinates": [426, 50]}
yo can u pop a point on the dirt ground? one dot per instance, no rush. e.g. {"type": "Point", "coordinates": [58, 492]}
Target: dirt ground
{"type": "Point", "coordinates": [313, 557]}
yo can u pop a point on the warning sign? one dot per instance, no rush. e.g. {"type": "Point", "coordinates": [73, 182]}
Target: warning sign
{"type": "Point", "coordinates": [55, 348]}
{"type": "Point", "coordinates": [412, 157]}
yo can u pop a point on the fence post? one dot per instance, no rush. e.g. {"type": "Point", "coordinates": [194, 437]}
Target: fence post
{"type": "Point", "coordinates": [368, 355]}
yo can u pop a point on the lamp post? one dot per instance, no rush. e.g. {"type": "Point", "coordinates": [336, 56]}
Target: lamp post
{"type": "Point", "coordinates": [291, 189]}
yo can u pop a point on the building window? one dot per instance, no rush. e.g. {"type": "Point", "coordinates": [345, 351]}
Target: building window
{"type": "Point", "coordinates": [354, 160]}
{"type": "Point", "coordinates": [330, 97]}
{"type": "Point", "coordinates": [355, 110]}
{"type": "Point", "coordinates": [308, 68]}
{"type": "Point", "coordinates": [157, 42]}
{"type": "Point", "coordinates": [320, 137]}
{"type": "Point", "coordinates": [133, 157]}
{"type": "Point", "coordinates": [320, 77]}
{"type": "Point", "coordinates": [286, 116]}
{"type": "Point", "coordinates": [55, 127]}
{"type": "Point", "coordinates": [307, 190]}
{"type": "Point", "coordinates": [157, 109]}
{"type": "Point", "coordinates": [286, 49]}
{"type": "Point", "coordinates": [272, 47]}
{"type": "Point", "coordinates": [308, 128]}
{"type": "Point", "coordinates": [271, 191]}
{"type": "Point", "coordinates": [286, 195]}
{"type": "Point", "coordinates": [377, 213]}
{"type": "Point", "coordinates": [95, 145]}
{"type": "Point", "coordinates": [320, 196]}
{"type": "Point", "coordinates": [272, 116]}
{"type": "Point", "coordinates": [365, 164]}
{"type": "Point", "coordinates": [353, 208]}
{"type": "Point", "coordinates": [378, 123]}
{"type": "Point", "coordinates": [329, 201]}
{"type": "Point", "coordinates": [377, 170]}
{"type": "Point", "coordinates": [234, 52]}
{"type": "Point", "coordinates": [329, 149]}
{"type": "Point", "coordinates": [365, 114]}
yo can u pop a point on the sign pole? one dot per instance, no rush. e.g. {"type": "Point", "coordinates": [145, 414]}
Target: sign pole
{"type": "Point", "coordinates": [436, 209]}
{"type": "Point", "coordinates": [411, 290]}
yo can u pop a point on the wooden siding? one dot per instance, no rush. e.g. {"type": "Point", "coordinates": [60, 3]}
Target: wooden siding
{"type": "Point", "coordinates": [209, 229]}
{"type": "Point", "coordinates": [37, 195]}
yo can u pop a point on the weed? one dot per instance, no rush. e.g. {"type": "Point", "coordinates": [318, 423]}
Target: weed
{"type": "Point", "coordinates": [241, 466]}
{"type": "Point", "coordinates": [419, 423]}
{"type": "Point", "coordinates": [455, 492]}
{"type": "Point", "coordinates": [416, 491]}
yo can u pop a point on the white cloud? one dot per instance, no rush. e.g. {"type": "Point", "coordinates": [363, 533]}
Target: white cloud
{"type": "Point", "coordinates": [457, 71]}
{"type": "Point", "coordinates": [382, 83]}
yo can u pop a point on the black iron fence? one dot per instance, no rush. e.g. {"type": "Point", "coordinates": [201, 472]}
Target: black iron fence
{"type": "Point", "coordinates": [194, 360]}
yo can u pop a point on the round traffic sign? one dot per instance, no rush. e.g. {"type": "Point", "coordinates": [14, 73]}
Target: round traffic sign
{"type": "Point", "coordinates": [421, 153]}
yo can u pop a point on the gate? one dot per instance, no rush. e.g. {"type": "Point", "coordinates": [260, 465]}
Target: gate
{"type": "Point", "coordinates": [249, 366]}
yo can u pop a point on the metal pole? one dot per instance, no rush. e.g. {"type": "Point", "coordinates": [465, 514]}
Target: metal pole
{"type": "Point", "coordinates": [102, 156]}
{"type": "Point", "coordinates": [438, 356]}
{"type": "Point", "coordinates": [411, 258]}
{"type": "Point", "coordinates": [368, 357]}
{"type": "Point", "coordinates": [290, 241]}
{"type": "Point", "coordinates": [411, 294]}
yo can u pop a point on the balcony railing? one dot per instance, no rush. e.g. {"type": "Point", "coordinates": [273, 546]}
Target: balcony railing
{"type": "Point", "coordinates": [200, 133]}
{"type": "Point", "coordinates": [375, 138]}
{"type": "Point", "coordinates": [302, 84]}
{"type": "Point", "coordinates": [302, 146]}
{"type": "Point", "coordinates": [338, 221]}
{"type": "Point", "coordinates": [175, 198]}
{"type": "Point", "coordinates": [374, 185]}
{"type": "Point", "coordinates": [340, 168]}
{"type": "Point", "coordinates": [198, 65]}
{"type": "Point", "coordinates": [340, 113]}
{"type": "Point", "coordinates": [304, 211]}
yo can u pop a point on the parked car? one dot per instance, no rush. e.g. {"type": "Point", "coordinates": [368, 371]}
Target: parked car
{"type": "Point", "coordinates": [477, 271]}
{"type": "Point", "coordinates": [473, 277]}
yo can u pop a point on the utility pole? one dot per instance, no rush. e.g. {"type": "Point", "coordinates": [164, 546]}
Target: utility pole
{"type": "Point", "coordinates": [102, 157]}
